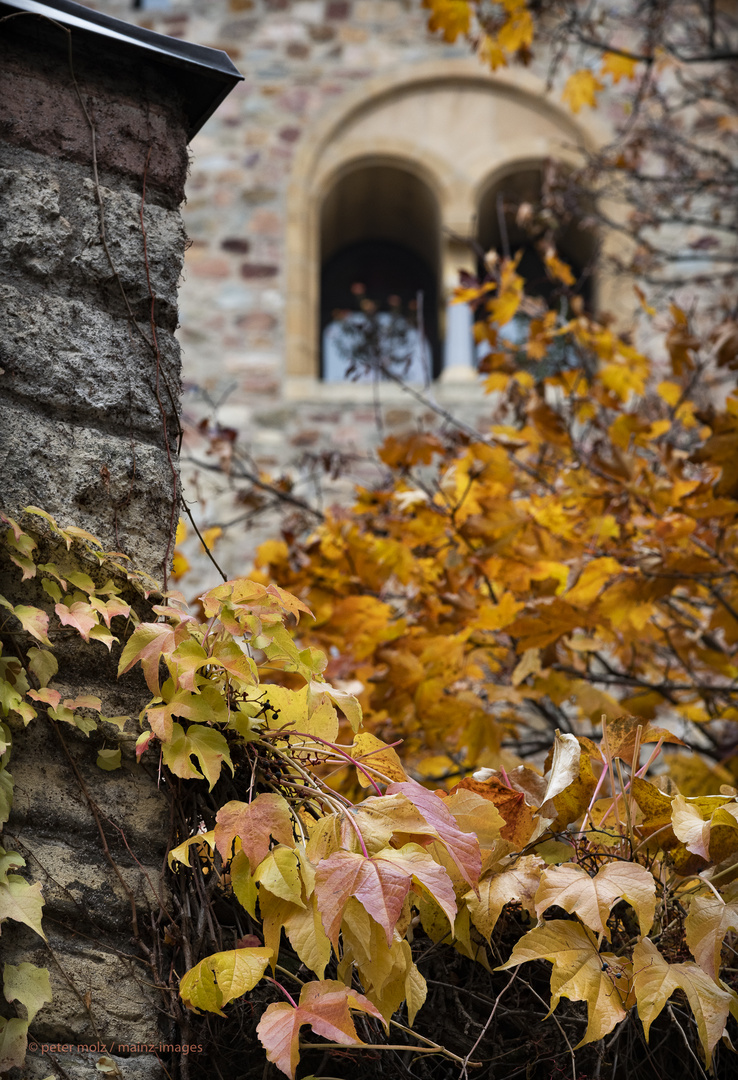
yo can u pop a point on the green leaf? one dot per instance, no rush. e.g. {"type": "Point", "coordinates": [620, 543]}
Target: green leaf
{"type": "Point", "coordinates": [28, 984]}
{"type": "Point", "coordinates": [243, 883]}
{"type": "Point", "coordinates": [109, 760]}
{"type": "Point", "coordinates": [6, 795]}
{"type": "Point", "coordinates": [220, 978]}
{"type": "Point", "coordinates": [13, 1043]}
{"type": "Point", "coordinates": [22, 902]}
{"type": "Point", "coordinates": [204, 743]}
{"type": "Point", "coordinates": [34, 621]}
{"type": "Point", "coordinates": [43, 665]}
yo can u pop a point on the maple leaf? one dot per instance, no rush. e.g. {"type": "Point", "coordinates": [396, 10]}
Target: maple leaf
{"type": "Point", "coordinates": [253, 823]}
{"type": "Point", "coordinates": [577, 974]}
{"type": "Point", "coordinates": [708, 921]}
{"type": "Point", "coordinates": [28, 984]}
{"type": "Point", "coordinates": [618, 66]}
{"type": "Point", "coordinates": [593, 898]}
{"type": "Point", "coordinates": [581, 89]}
{"type": "Point", "coordinates": [324, 1006]}
{"type": "Point", "coordinates": [655, 980]}
{"type": "Point", "coordinates": [222, 977]}
{"type": "Point", "coordinates": [451, 17]}
{"type": "Point", "coordinates": [517, 883]}
{"type": "Point", "coordinates": [380, 884]}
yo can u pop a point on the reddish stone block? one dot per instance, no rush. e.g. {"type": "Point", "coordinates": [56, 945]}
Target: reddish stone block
{"type": "Point", "coordinates": [337, 9]}
{"type": "Point", "coordinates": [236, 245]}
{"type": "Point", "coordinates": [252, 271]}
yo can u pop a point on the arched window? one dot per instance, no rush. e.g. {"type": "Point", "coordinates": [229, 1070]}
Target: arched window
{"type": "Point", "coordinates": [379, 245]}
{"type": "Point", "coordinates": [499, 229]}
{"type": "Point", "coordinates": [510, 222]}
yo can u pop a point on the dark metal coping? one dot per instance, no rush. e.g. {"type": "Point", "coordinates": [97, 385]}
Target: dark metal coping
{"type": "Point", "coordinates": [204, 76]}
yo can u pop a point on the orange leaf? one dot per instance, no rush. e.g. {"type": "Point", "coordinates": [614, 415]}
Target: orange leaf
{"type": "Point", "coordinates": [325, 1007]}
{"type": "Point", "coordinates": [253, 823]}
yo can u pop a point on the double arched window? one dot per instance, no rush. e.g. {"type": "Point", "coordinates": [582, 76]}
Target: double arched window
{"type": "Point", "coordinates": [383, 199]}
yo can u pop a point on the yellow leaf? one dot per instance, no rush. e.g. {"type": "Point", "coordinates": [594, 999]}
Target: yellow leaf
{"type": "Point", "coordinates": [593, 898]}
{"type": "Point", "coordinates": [181, 534]}
{"type": "Point", "coordinates": [516, 884]}
{"type": "Point", "coordinates": [220, 978]}
{"type": "Point", "coordinates": [558, 269]}
{"type": "Point", "coordinates": [669, 391]}
{"type": "Point", "coordinates": [705, 927]}
{"type": "Point", "coordinates": [577, 974]}
{"type": "Point", "coordinates": [581, 89]}
{"type": "Point", "coordinates": [180, 565]}
{"type": "Point", "coordinates": [491, 54]}
{"type": "Point", "coordinates": [380, 761]}
{"type": "Point", "coordinates": [212, 535]}
{"type": "Point", "coordinates": [619, 67]}
{"type": "Point", "coordinates": [279, 873]}
{"type": "Point", "coordinates": [691, 819]}
{"type": "Point", "coordinates": [451, 17]}
{"type": "Point", "coordinates": [517, 32]}
{"type": "Point", "coordinates": [655, 981]}
{"type": "Point", "coordinates": [530, 664]}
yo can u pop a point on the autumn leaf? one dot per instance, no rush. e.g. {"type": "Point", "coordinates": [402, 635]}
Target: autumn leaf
{"type": "Point", "coordinates": [593, 898]}
{"type": "Point", "coordinates": [655, 981]}
{"type": "Point", "coordinates": [708, 921]}
{"type": "Point", "coordinates": [22, 902]}
{"type": "Point", "coordinates": [463, 847]}
{"type": "Point", "coordinates": [204, 743]}
{"type": "Point", "coordinates": [451, 17]}
{"type": "Point", "coordinates": [618, 66]}
{"type": "Point", "coordinates": [253, 823]}
{"type": "Point", "coordinates": [381, 760]}
{"type": "Point", "coordinates": [514, 884]}
{"type": "Point", "coordinates": [581, 89]}
{"type": "Point", "coordinates": [222, 977]}
{"type": "Point", "coordinates": [27, 984]}
{"type": "Point", "coordinates": [324, 1006]}
{"type": "Point", "coordinates": [577, 974]}
{"type": "Point", "coordinates": [515, 811]}
{"type": "Point", "coordinates": [621, 736]}
{"type": "Point", "coordinates": [692, 821]}
{"type": "Point", "coordinates": [380, 884]}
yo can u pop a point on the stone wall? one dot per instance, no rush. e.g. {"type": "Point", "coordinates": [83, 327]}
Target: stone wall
{"type": "Point", "coordinates": [82, 436]}
{"type": "Point", "coordinates": [78, 391]}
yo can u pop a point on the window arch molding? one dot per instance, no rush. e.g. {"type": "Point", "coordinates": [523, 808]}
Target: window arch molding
{"type": "Point", "coordinates": [385, 119]}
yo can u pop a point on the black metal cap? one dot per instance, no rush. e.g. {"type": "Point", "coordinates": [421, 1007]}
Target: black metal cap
{"type": "Point", "coordinates": [203, 76]}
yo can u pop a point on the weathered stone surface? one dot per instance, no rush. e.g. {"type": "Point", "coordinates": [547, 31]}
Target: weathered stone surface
{"type": "Point", "coordinates": [114, 485]}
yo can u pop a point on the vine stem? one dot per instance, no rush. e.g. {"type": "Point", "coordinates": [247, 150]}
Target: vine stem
{"type": "Point", "coordinates": [285, 992]}
{"type": "Point", "coordinates": [343, 753]}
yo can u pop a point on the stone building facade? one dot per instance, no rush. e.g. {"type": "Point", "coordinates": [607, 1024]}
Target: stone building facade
{"type": "Point", "coordinates": [355, 131]}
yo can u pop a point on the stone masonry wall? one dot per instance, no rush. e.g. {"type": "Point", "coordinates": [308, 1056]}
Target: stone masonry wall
{"type": "Point", "coordinates": [81, 435]}
{"type": "Point", "coordinates": [78, 391]}
{"type": "Point", "coordinates": [298, 57]}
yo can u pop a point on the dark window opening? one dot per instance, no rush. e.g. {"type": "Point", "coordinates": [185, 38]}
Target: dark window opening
{"type": "Point", "coordinates": [379, 294]}
{"type": "Point", "coordinates": [380, 244]}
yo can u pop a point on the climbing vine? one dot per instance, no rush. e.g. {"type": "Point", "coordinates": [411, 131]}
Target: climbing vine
{"type": "Point", "coordinates": [624, 885]}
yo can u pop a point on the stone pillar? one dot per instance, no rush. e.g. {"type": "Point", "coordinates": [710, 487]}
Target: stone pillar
{"type": "Point", "coordinates": [89, 404]}
{"type": "Point", "coordinates": [459, 357]}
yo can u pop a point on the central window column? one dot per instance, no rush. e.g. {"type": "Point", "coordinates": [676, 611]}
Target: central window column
{"type": "Point", "coordinates": [459, 353]}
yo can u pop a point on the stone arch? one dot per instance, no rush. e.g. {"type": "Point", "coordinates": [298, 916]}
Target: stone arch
{"type": "Point", "coordinates": [429, 117]}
